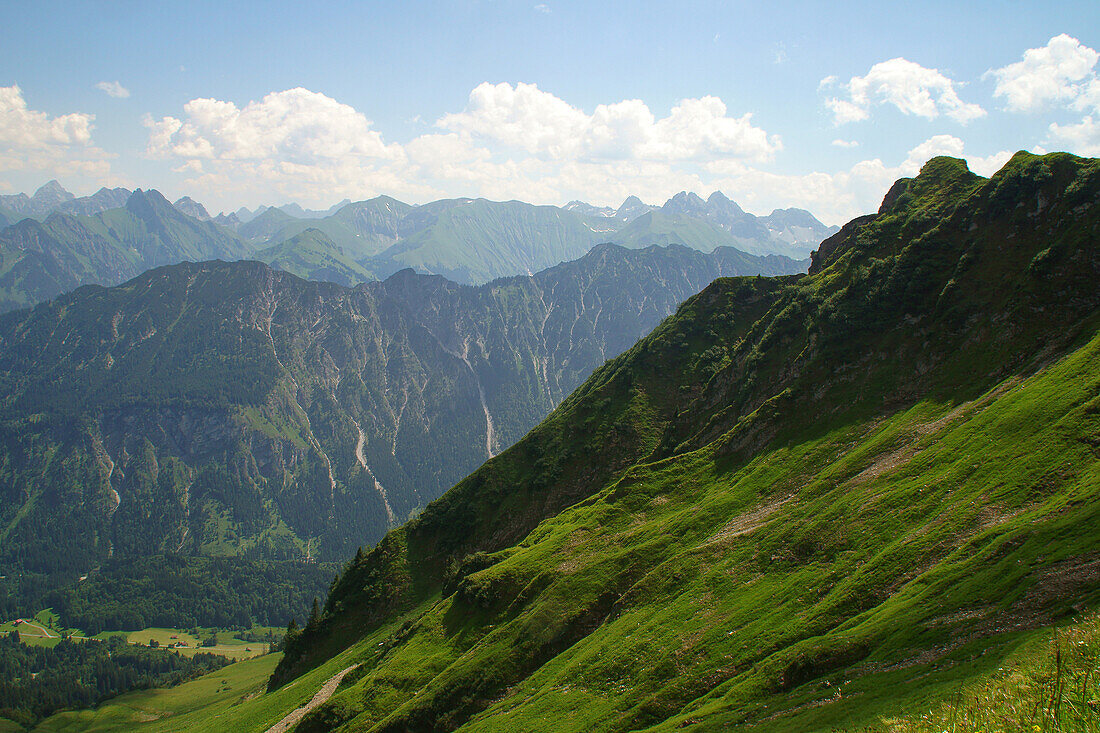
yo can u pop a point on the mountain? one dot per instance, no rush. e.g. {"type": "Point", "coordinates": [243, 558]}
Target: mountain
{"type": "Point", "coordinates": [806, 503]}
{"type": "Point", "coordinates": [797, 228]}
{"type": "Point", "coordinates": [312, 255]}
{"type": "Point", "coordinates": [47, 198]}
{"type": "Point", "coordinates": [476, 240]}
{"type": "Point", "coordinates": [362, 229]}
{"type": "Point", "coordinates": [231, 409]}
{"type": "Point", "coordinates": [791, 232]}
{"type": "Point", "coordinates": [298, 212]}
{"type": "Point", "coordinates": [39, 260]}
{"type": "Point", "coordinates": [192, 208]}
{"type": "Point", "coordinates": [631, 209]}
{"type": "Point", "coordinates": [52, 197]}
{"type": "Point", "coordinates": [229, 221]}
{"type": "Point", "coordinates": [265, 225]}
{"type": "Point", "coordinates": [672, 227]}
{"type": "Point", "coordinates": [245, 215]}
{"type": "Point", "coordinates": [588, 210]}
{"type": "Point", "coordinates": [471, 241]}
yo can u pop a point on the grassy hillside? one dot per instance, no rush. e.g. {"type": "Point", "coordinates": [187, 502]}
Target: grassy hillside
{"type": "Point", "coordinates": [800, 504]}
{"type": "Point", "coordinates": [197, 705]}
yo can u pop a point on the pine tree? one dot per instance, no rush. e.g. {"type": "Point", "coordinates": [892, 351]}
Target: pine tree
{"type": "Point", "coordinates": [314, 615]}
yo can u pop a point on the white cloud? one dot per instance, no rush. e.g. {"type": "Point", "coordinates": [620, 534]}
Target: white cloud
{"type": "Point", "coordinates": [31, 140]}
{"type": "Point", "coordinates": [1061, 75]}
{"type": "Point", "coordinates": [912, 88]}
{"type": "Point", "coordinates": [543, 8]}
{"type": "Point", "coordinates": [296, 125]}
{"type": "Point", "coordinates": [113, 89]}
{"type": "Point", "coordinates": [1082, 138]}
{"type": "Point", "coordinates": [838, 197]}
{"type": "Point", "coordinates": [509, 142]}
{"type": "Point", "coordinates": [529, 119]}
{"type": "Point", "coordinates": [29, 128]}
{"type": "Point", "coordinates": [839, 143]}
{"type": "Point", "coordinates": [1061, 71]}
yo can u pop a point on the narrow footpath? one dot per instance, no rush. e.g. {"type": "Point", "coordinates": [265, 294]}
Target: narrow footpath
{"type": "Point", "coordinates": [322, 695]}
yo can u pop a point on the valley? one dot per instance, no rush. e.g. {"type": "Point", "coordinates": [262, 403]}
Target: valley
{"type": "Point", "coordinates": [911, 531]}
{"type": "Point", "coordinates": [550, 367]}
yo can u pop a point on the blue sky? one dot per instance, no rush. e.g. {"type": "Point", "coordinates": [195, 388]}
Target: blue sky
{"type": "Point", "coordinates": [544, 102]}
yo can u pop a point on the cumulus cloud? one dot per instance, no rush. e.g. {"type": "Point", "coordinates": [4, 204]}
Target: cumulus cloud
{"type": "Point", "coordinates": [840, 143]}
{"type": "Point", "coordinates": [1061, 71]}
{"type": "Point", "coordinates": [908, 86]}
{"type": "Point", "coordinates": [838, 197]}
{"type": "Point", "coordinates": [31, 140]}
{"type": "Point", "coordinates": [529, 119]}
{"type": "Point", "coordinates": [1061, 75]}
{"type": "Point", "coordinates": [113, 89]}
{"type": "Point", "coordinates": [296, 125]}
{"type": "Point", "coordinates": [1082, 138]}
{"type": "Point", "coordinates": [508, 142]}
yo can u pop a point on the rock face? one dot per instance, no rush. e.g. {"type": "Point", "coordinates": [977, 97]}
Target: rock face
{"type": "Point", "coordinates": [192, 208]}
{"type": "Point", "coordinates": [228, 408]}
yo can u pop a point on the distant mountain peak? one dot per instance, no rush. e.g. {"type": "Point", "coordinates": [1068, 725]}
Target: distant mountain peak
{"type": "Point", "coordinates": [193, 208]}
{"type": "Point", "coordinates": [149, 203]}
{"type": "Point", "coordinates": [686, 202]}
{"type": "Point", "coordinates": [52, 192]}
{"type": "Point", "coordinates": [632, 208]}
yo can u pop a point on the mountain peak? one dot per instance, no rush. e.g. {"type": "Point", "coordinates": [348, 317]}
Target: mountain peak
{"type": "Point", "coordinates": [148, 203]}
{"type": "Point", "coordinates": [686, 201]}
{"type": "Point", "coordinates": [719, 203]}
{"type": "Point", "coordinates": [632, 208]}
{"type": "Point", "coordinates": [51, 192]}
{"type": "Point", "coordinates": [193, 208]}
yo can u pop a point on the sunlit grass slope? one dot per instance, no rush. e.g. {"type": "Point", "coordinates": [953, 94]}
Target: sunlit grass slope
{"type": "Point", "coordinates": [197, 705]}
{"type": "Point", "coordinates": [800, 504]}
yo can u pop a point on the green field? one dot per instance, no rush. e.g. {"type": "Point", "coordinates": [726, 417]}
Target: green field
{"type": "Point", "coordinates": [193, 706]}
{"type": "Point", "coordinates": [231, 699]}
{"type": "Point", "coordinates": [229, 644]}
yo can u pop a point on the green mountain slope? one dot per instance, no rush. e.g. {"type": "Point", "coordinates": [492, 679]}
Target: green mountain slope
{"type": "Point", "coordinates": [362, 229]}
{"type": "Point", "coordinates": [476, 241]}
{"type": "Point", "coordinates": [313, 255]}
{"type": "Point", "coordinates": [232, 409]}
{"type": "Point", "coordinates": [39, 260]}
{"type": "Point", "coordinates": [660, 227]}
{"type": "Point", "coordinates": [800, 503]}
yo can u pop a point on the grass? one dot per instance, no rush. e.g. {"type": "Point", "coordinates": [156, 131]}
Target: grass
{"type": "Point", "coordinates": [229, 645]}
{"type": "Point", "coordinates": [1051, 683]}
{"type": "Point", "coordinates": [230, 699]}
{"type": "Point", "coordinates": [901, 557]}
{"type": "Point", "coordinates": [193, 706]}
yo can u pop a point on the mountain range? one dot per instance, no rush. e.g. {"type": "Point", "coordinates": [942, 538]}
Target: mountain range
{"type": "Point", "coordinates": [804, 503]}
{"type": "Point", "coordinates": [232, 409]}
{"type": "Point", "coordinates": [53, 242]}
